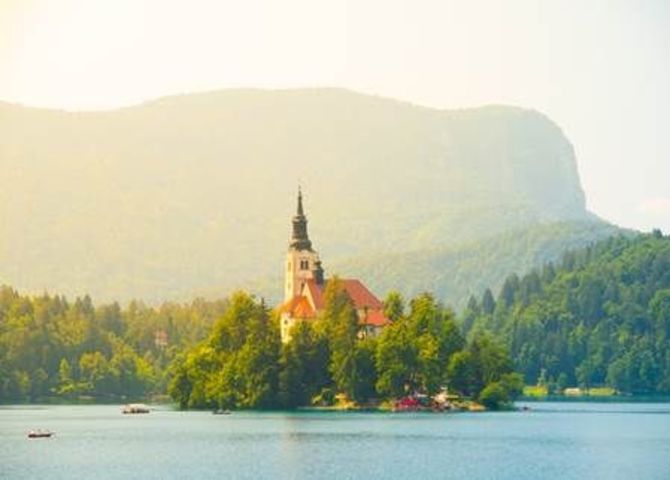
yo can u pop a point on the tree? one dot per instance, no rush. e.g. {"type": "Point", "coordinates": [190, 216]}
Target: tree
{"type": "Point", "coordinates": [51, 347]}
{"type": "Point", "coordinates": [394, 306]}
{"type": "Point", "coordinates": [342, 320]}
{"type": "Point", "coordinates": [366, 371]}
{"type": "Point", "coordinates": [493, 396]}
{"type": "Point", "coordinates": [461, 373]}
{"type": "Point", "coordinates": [601, 317]}
{"type": "Point", "coordinates": [413, 353]}
{"type": "Point", "coordinates": [395, 360]}
{"type": "Point", "coordinates": [98, 376]}
{"type": "Point", "coordinates": [509, 291]}
{"type": "Point", "coordinates": [490, 361]}
{"type": "Point", "coordinates": [470, 314]}
{"type": "Point", "coordinates": [66, 386]}
{"type": "Point", "coordinates": [660, 312]}
{"type": "Point", "coordinates": [513, 384]}
{"type": "Point", "coordinates": [180, 386]}
{"type": "Point", "coordinates": [295, 387]}
{"type": "Point", "coordinates": [237, 365]}
{"type": "Point", "coordinates": [488, 303]}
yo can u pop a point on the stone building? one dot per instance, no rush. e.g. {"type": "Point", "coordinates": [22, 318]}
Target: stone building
{"type": "Point", "coordinates": [305, 283]}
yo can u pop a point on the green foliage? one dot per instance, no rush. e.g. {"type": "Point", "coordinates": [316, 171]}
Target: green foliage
{"type": "Point", "coordinates": [499, 393]}
{"type": "Point", "coordinates": [461, 373]}
{"type": "Point", "coordinates": [493, 396]}
{"type": "Point", "coordinates": [600, 317]}
{"type": "Point", "coordinates": [341, 322]}
{"type": "Point", "coordinates": [395, 360]}
{"type": "Point", "coordinates": [228, 354]}
{"type": "Point", "coordinates": [241, 365]}
{"type": "Point", "coordinates": [488, 303]}
{"type": "Point", "coordinates": [513, 384]}
{"type": "Point", "coordinates": [536, 391]}
{"type": "Point", "coordinates": [366, 370]}
{"type": "Point", "coordinates": [51, 347]}
{"type": "Point", "coordinates": [482, 362]}
{"type": "Point", "coordinates": [414, 352]}
{"type": "Point", "coordinates": [394, 306]}
{"type": "Point", "coordinates": [303, 371]}
{"type": "Point", "coordinates": [237, 366]}
{"type": "Point", "coordinates": [455, 271]}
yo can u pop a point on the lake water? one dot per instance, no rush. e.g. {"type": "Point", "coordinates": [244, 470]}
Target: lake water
{"type": "Point", "coordinates": [552, 441]}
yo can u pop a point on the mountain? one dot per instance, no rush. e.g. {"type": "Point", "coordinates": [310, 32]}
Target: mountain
{"type": "Point", "coordinates": [600, 316]}
{"type": "Point", "coordinates": [195, 192]}
{"type": "Point", "coordinates": [454, 273]}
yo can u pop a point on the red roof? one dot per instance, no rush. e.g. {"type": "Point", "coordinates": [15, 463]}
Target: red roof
{"type": "Point", "coordinates": [315, 292]}
{"type": "Point", "coordinates": [312, 300]}
{"type": "Point", "coordinates": [360, 295]}
{"type": "Point", "coordinates": [375, 318]}
{"type": "Point", "coordinates": [299, 307]}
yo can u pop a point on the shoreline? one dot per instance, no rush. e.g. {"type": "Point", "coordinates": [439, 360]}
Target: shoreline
{"type": "Point", "coordinates": [596, 399]}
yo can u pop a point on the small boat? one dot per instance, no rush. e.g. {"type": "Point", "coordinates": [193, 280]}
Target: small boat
{"type": "Point", "coordinates": [40, 434]}
{"type": "Point", "coordinates": [135, 408]}
{"type": "Point", "coordinates": [220, 411]}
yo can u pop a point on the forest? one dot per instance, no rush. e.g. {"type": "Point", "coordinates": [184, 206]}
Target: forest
{"type": "Point", "coordinates": [243, 365]}
{"type": "Point", "coordinates": [599, 317]}
{"type": "Point", "coordinates": [228, 353]}
{"type": "Point", "coordinates": [51, 348]}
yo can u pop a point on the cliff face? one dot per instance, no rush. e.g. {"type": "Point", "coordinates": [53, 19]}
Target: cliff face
{"type": "Point", "coordinates": [184, 193]}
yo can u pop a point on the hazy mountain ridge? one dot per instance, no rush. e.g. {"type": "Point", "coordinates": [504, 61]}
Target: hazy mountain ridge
{"type": "Point", "coordinates": [454, 273]}
{"type": "Point", "coordinates": [182, 193]}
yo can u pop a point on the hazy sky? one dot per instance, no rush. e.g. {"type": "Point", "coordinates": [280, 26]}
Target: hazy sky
{"type": "Point", "coordinates": [600, 69]}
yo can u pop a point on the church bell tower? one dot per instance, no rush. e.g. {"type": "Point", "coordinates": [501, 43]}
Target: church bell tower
{"type": "Point", "coordinates": [302, 262]}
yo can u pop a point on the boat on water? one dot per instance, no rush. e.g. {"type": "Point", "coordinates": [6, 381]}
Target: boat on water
{"type": "Point", "coordinates": [221, 411]}
{"type": "Point", "coordinates": [40, 434]}
{"type": "Point", "coordinates": [132, 408]}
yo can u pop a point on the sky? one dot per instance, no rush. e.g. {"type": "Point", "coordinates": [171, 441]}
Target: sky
{"type": "Point", "coordinates": [599, 69]}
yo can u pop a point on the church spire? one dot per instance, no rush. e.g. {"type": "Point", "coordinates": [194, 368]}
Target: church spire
{"type": "Point", "coordinates": [299, 238]}
{"type": "Point", "coordinates": [300, 210]}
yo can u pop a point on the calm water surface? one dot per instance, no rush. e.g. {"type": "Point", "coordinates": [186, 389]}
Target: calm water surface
{"type": "Point", "coordinates": [553, 441]}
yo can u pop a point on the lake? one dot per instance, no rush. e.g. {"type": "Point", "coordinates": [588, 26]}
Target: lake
{"type": "Point", "coordinates": [552, 441]}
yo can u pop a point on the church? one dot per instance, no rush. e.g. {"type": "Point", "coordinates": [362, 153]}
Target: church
{"type": "Point", "coordinates": [305, 283]}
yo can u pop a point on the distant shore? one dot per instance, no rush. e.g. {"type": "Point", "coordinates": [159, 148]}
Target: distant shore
{"type": "Point", "coordinates": [165, 400]}
{"type": "Point", "coordinates": [597, 398]}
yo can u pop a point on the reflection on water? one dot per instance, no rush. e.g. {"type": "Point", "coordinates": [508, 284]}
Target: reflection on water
{"type": "Point", "coordinates": [552, 440]}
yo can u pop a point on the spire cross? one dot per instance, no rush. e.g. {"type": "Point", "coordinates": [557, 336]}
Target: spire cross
{"type": "Point", "coordinates": [300, 209]}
